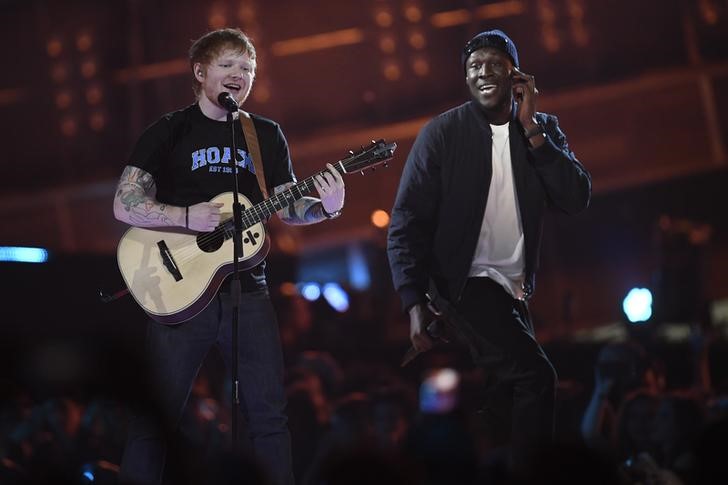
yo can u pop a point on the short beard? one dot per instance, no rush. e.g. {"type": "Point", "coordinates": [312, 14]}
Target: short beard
{"type": "Point", "coordinates": [504, 106]}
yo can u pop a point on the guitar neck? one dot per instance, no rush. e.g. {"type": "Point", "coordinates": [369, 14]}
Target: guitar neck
{"type": "Point", "coordinates": [263, 210]}
{"type": "Point", "coordinates": [377, 153]}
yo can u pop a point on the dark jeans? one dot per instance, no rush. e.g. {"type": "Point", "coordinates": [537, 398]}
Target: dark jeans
{"type": "Point", "coordinates": [175, 355]}
{"type": "Point", "coordinates": [516, 362]}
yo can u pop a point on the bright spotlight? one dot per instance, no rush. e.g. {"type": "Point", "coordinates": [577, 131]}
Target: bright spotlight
{"type": "Point", "coordinates": [637, 305]}
{"type": "Point", "coordinates": [23, 255]}
{"type": "Point", "coordinates": [311, 291]}
{"type": "Point", "coordinates": [439, 391]}
{"type": "Point", "coordinates": [380, 218]}
{"type": "Point", "coordinates": [336, 296]}
{"type": "Point", "coordinates": [87, 473]}
{"type": "Point", "coordinates": [359, 276]}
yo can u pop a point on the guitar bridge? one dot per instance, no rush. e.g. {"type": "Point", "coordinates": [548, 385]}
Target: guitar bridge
{"type": "Point", "coordinates": [168, 260]}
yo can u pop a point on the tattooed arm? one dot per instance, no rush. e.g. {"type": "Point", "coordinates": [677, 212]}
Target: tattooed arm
{"type": "Point", "coordinates": [306, 210]}
{"type": "Point", "coordinates": [135, 204]}
{"type": "Point", "coordinates": [309, 210]}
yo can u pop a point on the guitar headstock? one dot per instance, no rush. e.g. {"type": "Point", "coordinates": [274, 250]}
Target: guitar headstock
{"type": "Point", "coordinates": [376, 153]}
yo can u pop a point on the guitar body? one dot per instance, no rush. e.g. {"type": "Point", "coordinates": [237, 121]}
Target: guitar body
{"type": "Point", "coordinates": [174, 273]}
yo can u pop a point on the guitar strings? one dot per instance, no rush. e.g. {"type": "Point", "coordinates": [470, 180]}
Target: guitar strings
{"type": "Point", "coordinates": [256, 213]}
{"type": "Point", "coordinates": [250, 217]}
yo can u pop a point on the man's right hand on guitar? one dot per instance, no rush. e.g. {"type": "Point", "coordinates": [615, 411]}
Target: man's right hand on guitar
{"type": "Point", "coordinates": [420, 317]}
{"type": "Point", "coordinates": [204, 217]}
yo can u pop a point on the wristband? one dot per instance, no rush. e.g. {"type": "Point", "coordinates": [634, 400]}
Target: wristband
{"type": "Point", "coordinates": [332, 215]}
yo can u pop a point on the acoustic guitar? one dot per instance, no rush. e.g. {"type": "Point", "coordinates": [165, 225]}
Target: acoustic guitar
{"type": "Point", "coordinates": [174, 273]}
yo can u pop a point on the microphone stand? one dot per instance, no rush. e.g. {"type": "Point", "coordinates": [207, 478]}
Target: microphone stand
{"type": "Point", "coordinates": [235, 288]}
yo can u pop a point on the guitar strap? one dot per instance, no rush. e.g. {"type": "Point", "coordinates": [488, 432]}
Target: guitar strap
{"type": "Point", "coordinates": [251, 139]}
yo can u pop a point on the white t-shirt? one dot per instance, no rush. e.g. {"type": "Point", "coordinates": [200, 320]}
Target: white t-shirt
{"type": "Point", "coordinates": [499, 253]}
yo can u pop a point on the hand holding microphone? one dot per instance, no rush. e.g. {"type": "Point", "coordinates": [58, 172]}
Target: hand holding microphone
{"type": "Point", "coordinates": [422, 334]}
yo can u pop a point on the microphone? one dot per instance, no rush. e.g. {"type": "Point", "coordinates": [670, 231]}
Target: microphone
{"type": "Point", "coordinates": [227, 101]}
{"type": "Point", "coordinates": [435, 331]}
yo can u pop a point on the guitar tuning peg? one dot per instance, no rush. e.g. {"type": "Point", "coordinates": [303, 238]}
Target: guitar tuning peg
{"type": "Point", "coordinates": [386, 164]}
{"type": "Point", "coordinates": [362, 172]}
{"type": "Point", "coordinates": [351, 152]}
{"type": "Point", "coordinates": [374, 142]}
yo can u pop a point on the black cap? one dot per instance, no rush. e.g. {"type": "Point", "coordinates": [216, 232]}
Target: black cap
{"type": "Point", "coordinates": [496, 39]}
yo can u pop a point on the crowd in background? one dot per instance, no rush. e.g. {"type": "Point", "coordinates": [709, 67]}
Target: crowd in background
{"type": "Point", "coordinates": [624, 415]}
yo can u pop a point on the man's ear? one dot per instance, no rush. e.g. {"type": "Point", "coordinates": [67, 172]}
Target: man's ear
{"type": "Point", "coordinates": [198, 71]}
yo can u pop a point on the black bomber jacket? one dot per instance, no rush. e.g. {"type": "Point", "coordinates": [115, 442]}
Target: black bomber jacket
{"type": "Point", "coordinates": [441, 199]}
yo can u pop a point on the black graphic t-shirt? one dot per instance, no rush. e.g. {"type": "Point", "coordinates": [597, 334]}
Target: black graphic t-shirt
{"type": "Point", "coordinates": [190, 157]}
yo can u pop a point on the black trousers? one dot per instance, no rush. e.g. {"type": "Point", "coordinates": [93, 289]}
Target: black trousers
{"type": "Point", "coordinates": [508, 351]}
{"type": "Point", "coordinates": [175, 355]}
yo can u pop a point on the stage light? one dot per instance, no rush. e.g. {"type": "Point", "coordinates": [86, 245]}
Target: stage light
{"type": "Point", "coordinates": [288, 289]}
{"type": "Point", "coordinates": [359, 276]}
{"type": "Point", "coordinates": [310, 291]}
{"type": "Point", "coordinates": [54, 47]}
{"type": "Point", "coordinates": [413, 13]}
{"type": "Point", "coordinates": [246, 13]}
{"type": "Point", "coordinates": [63, 99]}
{"type": "Point", "coordinates": [439, 391]}
{"type": "Point", "coordinates": [380, 218]}
{"type": "Point", "coordinates": [88, 68]}
{"type": "Point", "coordinates": [391, 71]}
{"type": "Point", "coordinates": [420, 66]}
{"type": "Point", "coordinates": [97, 121]}
{"type": "Point", "coordinates": [69, 127]}
{"type": "Point", "coordinates": [383, 18]}
{"type": "Point", "coordinates": [59, 72]}
{"type": "Point", "coordinates": [549, 33]}
{"type": "Point", "coordinates": [88, 476]}
{"type": "Point", "coordinates": [217, 18]}
{"type": "Point", "coordinates": [417, 40]}
{"type": "Point", "coordinates": [387, 44]}
{"type": "Point", "coordinates": [637, 305]}
{"type": "Point", "coordinates": [446, 380]}
{"type": "Point", "coordinates": [709, 12]}
{"type": "Point", "coordinates": [23, 254]}
{"type": "Point", "coordinates": [84, 41]}
{"type": "Point", "coordinates": [94, 94]}
{"type": "Point", "coordinates": [100, 472]}
{"type": "Point", "coordinates": [336, 297]}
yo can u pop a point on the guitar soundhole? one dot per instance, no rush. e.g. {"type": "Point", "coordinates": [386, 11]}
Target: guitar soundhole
{"type": "Point", "coordinates": [210, 242]}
